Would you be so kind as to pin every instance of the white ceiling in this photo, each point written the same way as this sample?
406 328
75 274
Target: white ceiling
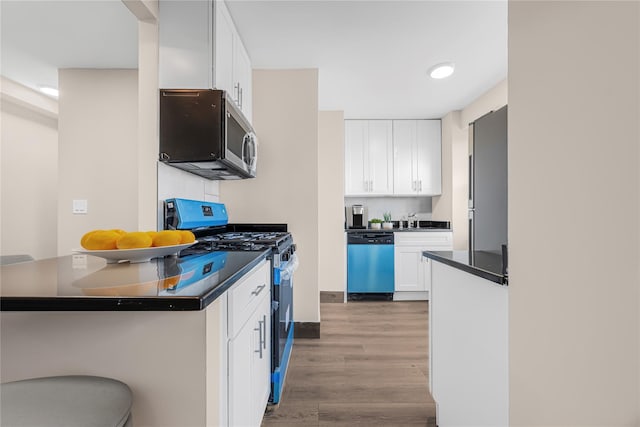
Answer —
372 56
38 37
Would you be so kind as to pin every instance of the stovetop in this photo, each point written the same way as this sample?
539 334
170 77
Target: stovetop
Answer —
240 241
266 238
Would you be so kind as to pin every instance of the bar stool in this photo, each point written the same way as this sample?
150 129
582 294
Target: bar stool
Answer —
66 401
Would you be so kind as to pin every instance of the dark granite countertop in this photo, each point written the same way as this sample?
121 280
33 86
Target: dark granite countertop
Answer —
422 226
392 230
485 264
88 283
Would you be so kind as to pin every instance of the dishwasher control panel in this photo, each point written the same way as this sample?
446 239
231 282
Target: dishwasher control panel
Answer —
370 239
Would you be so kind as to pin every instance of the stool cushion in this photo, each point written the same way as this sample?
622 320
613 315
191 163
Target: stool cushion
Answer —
69 401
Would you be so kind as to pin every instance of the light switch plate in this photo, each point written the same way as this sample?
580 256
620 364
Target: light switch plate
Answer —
80 206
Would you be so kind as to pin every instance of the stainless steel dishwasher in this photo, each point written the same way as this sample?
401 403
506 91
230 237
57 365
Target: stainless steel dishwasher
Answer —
370 272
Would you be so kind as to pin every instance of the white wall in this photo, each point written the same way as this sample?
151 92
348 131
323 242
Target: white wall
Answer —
331 247
148 112
285 117
442 204
574 281
98 152
174 182
29 172
400 207
452 205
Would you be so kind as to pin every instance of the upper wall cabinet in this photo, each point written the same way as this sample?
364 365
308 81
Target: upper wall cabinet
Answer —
368 157
200 48
186 44
392 157
417 158
233 66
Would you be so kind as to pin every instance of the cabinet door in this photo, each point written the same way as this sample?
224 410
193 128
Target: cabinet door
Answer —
242 76
355 143
185 45
224 32
425 274
241 348
429 157
261 366
404 165
408 268
380 157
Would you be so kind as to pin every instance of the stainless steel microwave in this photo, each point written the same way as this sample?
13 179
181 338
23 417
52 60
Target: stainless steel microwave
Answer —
202 131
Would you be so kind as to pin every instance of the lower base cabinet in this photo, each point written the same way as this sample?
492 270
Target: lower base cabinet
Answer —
249 349
412 271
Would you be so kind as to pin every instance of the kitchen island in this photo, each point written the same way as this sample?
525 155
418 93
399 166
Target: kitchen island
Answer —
163 327
468 338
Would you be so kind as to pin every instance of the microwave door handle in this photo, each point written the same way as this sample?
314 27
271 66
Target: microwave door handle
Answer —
244 148
253 152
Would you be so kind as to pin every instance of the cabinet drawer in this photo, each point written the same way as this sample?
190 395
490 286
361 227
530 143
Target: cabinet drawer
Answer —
246 295
437 239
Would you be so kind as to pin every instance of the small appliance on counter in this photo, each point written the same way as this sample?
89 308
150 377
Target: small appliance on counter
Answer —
356 216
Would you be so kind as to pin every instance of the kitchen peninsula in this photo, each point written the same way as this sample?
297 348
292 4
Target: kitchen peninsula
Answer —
163 327
468 334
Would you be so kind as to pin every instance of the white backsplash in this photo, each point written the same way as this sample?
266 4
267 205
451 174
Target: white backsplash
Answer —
398 206
173 182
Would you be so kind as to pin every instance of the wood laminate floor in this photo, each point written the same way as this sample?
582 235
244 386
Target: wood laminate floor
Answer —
369 368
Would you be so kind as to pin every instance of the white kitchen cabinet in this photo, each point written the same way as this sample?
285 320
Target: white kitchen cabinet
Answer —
417 157
232 62
368 157
412 272
408 269
249 348
223 52
200 48
185 44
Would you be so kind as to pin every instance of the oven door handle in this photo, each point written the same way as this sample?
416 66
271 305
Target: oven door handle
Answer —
290 268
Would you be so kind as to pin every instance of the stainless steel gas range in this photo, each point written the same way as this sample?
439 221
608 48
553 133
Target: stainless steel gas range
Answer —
210 223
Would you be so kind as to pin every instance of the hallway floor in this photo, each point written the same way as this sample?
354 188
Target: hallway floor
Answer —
368 368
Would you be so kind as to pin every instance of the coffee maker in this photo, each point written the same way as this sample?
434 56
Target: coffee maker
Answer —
356 216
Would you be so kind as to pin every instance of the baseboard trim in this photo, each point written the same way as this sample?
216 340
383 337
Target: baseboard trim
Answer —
411 296
306 330
331 297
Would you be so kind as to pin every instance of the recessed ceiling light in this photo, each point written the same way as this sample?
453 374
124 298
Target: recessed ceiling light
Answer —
440 71
48 90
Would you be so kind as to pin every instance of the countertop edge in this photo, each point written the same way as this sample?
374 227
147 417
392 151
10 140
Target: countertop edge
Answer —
150 303
492 277
211 296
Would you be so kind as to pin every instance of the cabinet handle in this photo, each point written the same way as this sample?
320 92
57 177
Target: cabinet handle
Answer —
420 185
240 96
264 325
257 290
370 186
236 89
262 340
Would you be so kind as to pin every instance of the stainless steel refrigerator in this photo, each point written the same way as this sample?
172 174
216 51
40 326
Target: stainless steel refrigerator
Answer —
488 184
